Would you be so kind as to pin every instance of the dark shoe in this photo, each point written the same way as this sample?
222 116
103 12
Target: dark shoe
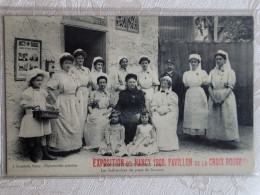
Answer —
33 154
108 154
45 155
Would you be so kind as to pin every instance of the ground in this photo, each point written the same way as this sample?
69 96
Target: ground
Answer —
188 147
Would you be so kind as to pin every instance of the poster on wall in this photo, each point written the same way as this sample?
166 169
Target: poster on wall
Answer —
27 56
163 107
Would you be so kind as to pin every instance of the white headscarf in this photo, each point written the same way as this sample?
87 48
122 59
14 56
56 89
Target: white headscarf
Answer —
36 71
121 57
168 79
65 54
197 57
93 69
227 64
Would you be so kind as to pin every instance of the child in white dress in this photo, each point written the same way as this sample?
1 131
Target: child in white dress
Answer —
32 129
113 144
144 142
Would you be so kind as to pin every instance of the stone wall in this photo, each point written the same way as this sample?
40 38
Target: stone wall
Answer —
133 45
49 30
46 29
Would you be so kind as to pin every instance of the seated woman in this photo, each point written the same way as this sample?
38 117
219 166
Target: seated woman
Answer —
113 144
99 109
165 116
66 134
131 102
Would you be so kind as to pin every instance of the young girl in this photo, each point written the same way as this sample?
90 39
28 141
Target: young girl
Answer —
113 144
32 129
144 142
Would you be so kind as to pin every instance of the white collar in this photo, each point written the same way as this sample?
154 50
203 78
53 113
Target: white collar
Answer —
166 90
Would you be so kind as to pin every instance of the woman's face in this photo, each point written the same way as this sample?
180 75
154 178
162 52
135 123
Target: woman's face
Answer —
144 119
194 64
124 63
66 65
220 61
79 60
38 81
164 84
131 83
144 65
102 83
99 66
114 118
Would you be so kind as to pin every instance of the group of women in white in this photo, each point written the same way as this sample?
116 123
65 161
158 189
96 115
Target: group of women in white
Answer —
124 113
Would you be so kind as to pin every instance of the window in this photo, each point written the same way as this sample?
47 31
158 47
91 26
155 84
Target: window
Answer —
127 23
223 29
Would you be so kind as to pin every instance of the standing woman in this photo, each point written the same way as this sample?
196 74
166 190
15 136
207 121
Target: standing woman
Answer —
97 71
148 81
66 134
83 75
118 78
165 116
222 123
196 106
131 102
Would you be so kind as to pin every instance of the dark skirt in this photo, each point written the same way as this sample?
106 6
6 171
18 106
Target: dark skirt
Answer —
130 122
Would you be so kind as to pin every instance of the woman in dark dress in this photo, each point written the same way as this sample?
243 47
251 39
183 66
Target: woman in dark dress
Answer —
131 102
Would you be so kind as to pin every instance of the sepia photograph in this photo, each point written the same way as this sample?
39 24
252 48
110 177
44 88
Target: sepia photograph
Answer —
129 95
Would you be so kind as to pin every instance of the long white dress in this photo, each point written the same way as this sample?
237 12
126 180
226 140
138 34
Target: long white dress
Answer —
166 125
222 122
32 127
145 134
96 123
83 76
115 136
66 130
147 80
117 83
196 107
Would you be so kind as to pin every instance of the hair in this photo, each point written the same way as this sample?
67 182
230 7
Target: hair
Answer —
169 82
64 58
144 59
129 76
99 60
80 53
122 60
115 112
194 59
33 79
222 55
101 77
143 113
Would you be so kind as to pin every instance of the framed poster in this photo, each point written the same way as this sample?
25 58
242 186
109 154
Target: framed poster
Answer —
27 55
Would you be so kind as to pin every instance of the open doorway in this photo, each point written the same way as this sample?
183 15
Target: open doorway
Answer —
91 41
